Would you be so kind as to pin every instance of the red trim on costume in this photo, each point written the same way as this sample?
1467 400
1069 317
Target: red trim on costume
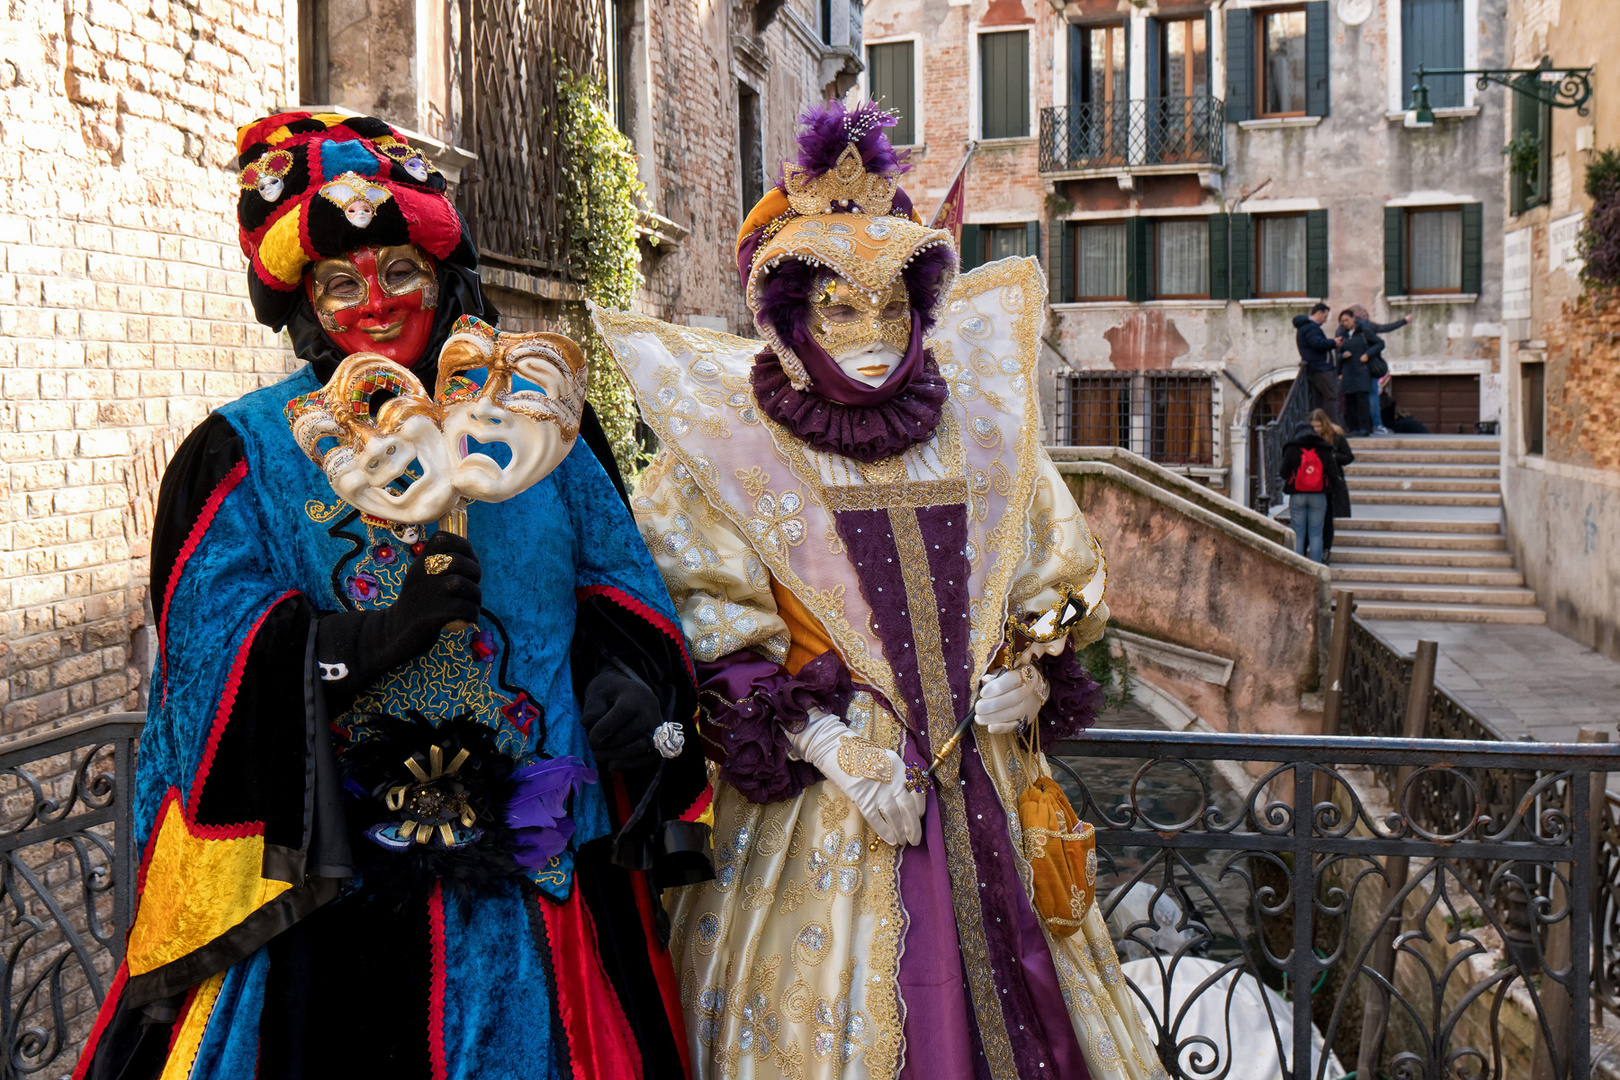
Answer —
600 1040
109 1005
630 603
701 804
436 985
657 956
227 701
216 498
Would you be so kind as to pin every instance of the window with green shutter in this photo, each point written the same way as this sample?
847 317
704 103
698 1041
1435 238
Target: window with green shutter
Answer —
1243 257
1181 262
971 248
1532 123
1394 251
1102 260
1282 255
1004 84
1278 61
1239 65
1220 256
889 80
1433 250
1432 36
1316 253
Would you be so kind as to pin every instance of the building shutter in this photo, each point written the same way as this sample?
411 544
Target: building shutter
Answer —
972 247
1032 239
1239 64
1432 36
1241 286
1316 58
1058 261
889 80
1316 253
1395 251
1155 33
1004 84
1138 259
1473 247
1220 251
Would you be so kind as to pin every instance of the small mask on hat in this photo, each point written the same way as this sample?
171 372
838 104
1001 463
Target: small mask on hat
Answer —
356 196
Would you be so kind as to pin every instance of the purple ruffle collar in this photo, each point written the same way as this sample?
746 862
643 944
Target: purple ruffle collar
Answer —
866 433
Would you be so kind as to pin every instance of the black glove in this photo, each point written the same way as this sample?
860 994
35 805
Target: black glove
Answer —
355 648
620 714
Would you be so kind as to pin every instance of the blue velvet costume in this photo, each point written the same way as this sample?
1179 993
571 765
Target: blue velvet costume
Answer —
243 783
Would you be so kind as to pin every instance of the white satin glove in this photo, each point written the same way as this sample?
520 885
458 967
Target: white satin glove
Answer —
1009 700
892 810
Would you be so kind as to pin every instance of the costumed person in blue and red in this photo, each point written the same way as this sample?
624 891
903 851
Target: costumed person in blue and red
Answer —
884 580
405 799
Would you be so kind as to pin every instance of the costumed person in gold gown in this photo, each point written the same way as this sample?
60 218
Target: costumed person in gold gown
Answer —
845 519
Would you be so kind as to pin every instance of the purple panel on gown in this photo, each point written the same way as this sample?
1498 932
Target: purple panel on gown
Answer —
1032 1004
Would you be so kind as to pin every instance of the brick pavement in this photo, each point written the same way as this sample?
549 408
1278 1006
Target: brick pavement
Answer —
1525 680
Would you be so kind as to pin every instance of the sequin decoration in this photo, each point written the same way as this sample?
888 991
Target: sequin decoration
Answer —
839 1031
835 865
776 525
809 946
722 627
732 854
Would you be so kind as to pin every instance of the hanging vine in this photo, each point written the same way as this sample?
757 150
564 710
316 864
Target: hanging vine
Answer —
602 191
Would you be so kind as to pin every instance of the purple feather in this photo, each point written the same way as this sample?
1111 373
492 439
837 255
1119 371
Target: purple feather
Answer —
826 130
539 802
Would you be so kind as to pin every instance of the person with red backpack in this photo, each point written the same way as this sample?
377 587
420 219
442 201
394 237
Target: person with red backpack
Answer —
1314 483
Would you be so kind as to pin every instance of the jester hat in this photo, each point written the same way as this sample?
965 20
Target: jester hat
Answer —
318 185
839 206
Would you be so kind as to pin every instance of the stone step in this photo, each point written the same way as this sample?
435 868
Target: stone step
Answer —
1440 485
1446 594
1410 470
1355 555
1398 574
1476 443
1367 519
1472 613
1395 537
1373 453
1435 498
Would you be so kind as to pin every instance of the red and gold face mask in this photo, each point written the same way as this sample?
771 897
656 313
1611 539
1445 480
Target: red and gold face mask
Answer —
377 300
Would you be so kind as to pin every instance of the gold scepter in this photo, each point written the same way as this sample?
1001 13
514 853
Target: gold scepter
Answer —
1057 621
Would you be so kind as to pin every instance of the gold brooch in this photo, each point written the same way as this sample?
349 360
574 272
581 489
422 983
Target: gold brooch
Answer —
437 564
863 758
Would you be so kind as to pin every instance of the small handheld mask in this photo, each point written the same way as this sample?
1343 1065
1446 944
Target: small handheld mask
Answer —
375 433
866 335
508 432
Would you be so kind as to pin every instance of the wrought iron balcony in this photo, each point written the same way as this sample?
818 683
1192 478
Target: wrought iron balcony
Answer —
1114 136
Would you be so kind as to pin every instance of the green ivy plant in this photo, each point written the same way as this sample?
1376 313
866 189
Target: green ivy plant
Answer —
1599 243
602 191
1112 670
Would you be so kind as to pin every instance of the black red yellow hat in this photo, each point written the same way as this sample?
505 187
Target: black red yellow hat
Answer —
319 185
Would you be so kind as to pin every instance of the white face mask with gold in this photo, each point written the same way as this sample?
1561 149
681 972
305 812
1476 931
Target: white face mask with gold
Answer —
866 338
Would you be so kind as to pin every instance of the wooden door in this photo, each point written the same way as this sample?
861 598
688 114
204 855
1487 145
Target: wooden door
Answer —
1445 404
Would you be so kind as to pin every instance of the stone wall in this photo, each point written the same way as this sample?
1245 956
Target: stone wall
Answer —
123 313
1230 625
1562 506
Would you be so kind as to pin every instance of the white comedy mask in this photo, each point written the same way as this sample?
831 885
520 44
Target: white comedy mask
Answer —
866 335
374 431
509 430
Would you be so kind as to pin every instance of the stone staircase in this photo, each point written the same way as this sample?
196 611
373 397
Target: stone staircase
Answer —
1425 539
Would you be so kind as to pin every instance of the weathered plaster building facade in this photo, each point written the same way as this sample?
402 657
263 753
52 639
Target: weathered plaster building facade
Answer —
1193 175
123 309
1561 431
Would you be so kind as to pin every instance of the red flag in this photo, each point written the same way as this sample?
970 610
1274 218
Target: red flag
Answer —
952 211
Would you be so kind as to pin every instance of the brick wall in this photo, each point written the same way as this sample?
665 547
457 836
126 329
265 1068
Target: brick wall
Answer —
1583 383
123 312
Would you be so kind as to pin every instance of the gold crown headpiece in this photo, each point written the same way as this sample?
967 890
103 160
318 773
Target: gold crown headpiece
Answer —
847 186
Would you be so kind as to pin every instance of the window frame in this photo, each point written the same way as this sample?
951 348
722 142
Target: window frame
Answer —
1202 220
1258 62
1260 223
1021 227
1406 256
1074 228
916 115
1157 61
1533 374
977 89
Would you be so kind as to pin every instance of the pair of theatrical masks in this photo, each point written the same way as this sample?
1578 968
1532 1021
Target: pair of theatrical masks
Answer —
503 414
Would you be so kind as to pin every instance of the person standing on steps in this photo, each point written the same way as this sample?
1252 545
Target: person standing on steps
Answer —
1338 496
1377 365
1315 482
1355 378
1316 355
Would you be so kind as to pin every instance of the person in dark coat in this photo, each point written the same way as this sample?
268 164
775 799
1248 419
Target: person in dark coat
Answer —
1377 365
1307 509
1316 355
1401 422
1355 381
1338 495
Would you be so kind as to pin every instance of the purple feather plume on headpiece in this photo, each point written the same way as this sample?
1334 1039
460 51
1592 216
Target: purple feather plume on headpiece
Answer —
826 129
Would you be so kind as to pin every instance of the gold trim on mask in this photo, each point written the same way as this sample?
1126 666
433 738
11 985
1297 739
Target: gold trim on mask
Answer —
866 325
324 276
424 279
